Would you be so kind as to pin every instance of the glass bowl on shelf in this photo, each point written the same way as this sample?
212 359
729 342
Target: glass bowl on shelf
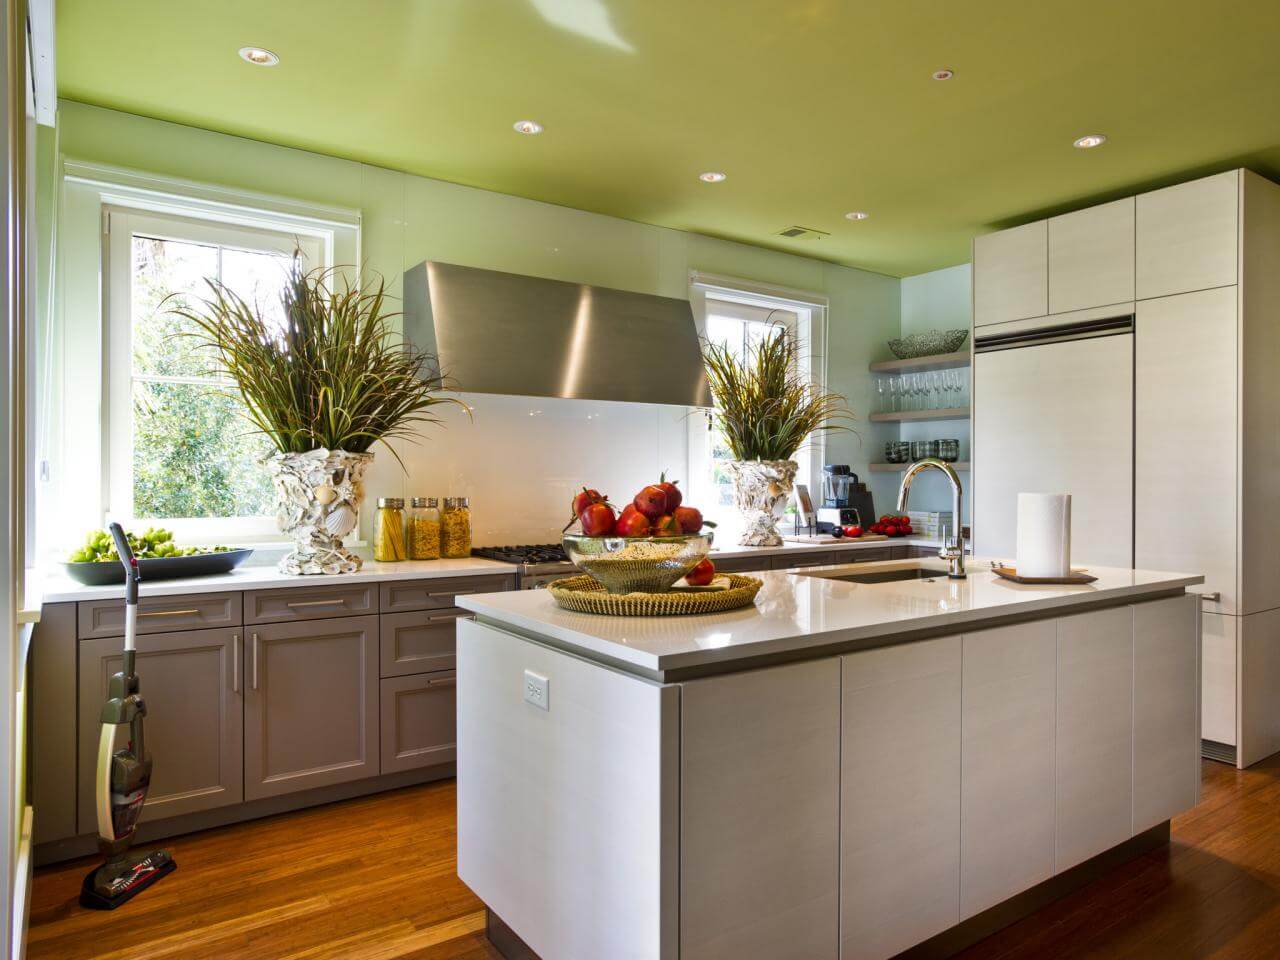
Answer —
637 564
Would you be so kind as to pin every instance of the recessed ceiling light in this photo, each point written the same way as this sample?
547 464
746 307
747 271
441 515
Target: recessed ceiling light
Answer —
1092 140
529 127
259 57
943 74
711 176
856 215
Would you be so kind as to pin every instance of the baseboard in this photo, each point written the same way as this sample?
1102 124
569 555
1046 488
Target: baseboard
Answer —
22 868
71 848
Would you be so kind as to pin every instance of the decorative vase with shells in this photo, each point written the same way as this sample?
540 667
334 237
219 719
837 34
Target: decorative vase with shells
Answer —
318 495
760 488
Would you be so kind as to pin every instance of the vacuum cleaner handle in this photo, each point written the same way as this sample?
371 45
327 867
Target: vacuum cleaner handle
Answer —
131 574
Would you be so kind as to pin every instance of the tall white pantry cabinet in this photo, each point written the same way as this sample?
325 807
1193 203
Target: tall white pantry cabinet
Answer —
1197 265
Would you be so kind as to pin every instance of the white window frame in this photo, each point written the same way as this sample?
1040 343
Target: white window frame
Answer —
809 325
122 224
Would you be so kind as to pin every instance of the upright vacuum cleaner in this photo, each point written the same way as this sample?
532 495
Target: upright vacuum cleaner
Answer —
125 774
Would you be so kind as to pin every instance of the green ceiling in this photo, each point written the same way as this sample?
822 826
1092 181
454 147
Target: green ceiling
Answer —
812 107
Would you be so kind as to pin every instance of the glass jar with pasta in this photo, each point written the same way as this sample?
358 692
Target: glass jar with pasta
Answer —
455 528
388 530
424 528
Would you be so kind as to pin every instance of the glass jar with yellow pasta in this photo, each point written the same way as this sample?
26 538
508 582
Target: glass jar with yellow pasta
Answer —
388 530
424 528
455 528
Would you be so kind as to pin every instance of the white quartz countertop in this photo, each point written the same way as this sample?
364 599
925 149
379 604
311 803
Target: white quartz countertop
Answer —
794 612
57 587
54 586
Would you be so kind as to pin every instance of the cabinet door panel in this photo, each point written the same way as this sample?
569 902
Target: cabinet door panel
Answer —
191 685
1011 274
419 721
1094 740
1166 710
311 705
1218 679
1007 763
1185 386
1091 257
1187 236
900 787
759 830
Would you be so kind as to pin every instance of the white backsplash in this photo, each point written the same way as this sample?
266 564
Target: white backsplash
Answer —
520 460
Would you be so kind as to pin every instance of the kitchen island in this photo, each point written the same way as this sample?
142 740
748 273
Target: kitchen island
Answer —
846 770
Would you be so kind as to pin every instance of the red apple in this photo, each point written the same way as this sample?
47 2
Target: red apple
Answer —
689 518
702 574
634 524
597 520
651 501
674 496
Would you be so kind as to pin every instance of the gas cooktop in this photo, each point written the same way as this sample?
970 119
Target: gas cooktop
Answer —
524 554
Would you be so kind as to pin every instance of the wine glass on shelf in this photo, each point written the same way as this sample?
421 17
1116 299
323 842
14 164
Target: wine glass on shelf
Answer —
882 394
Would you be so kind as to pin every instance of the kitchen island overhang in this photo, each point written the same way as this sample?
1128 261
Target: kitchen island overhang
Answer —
850 770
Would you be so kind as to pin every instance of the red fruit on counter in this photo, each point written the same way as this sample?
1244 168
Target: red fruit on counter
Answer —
674 496
597 520
651 501
585 499
689 518
908 530
853 531
702 574
634 524
666 526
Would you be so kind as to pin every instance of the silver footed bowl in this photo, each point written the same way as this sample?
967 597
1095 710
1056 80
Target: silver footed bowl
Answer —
637 564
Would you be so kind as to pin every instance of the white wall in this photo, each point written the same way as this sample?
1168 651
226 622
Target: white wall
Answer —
519 470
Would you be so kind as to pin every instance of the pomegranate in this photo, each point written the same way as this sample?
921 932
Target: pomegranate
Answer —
651 501
597 520
634 524
666 526
674 496
689 518
702 574
585 499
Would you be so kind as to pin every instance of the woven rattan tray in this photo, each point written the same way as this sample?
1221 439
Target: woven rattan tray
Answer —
587 595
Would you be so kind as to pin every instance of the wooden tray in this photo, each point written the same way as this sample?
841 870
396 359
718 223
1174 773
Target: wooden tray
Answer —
586 594
1011 573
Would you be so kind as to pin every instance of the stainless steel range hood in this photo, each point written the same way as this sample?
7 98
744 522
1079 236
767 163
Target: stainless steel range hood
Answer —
528 336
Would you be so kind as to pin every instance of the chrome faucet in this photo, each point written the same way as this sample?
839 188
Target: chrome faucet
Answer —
952 547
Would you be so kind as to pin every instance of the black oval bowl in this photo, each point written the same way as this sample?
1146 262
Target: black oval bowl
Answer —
98 574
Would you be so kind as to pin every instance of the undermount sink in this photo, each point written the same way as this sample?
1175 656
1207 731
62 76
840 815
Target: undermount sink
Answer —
891 576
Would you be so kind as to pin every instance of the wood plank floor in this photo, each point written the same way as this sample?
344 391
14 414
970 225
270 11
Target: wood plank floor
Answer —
373 879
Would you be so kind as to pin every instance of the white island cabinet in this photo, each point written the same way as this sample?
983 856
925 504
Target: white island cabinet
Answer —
843 772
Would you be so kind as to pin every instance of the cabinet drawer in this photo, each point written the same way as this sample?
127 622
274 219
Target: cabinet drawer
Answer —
740 564
419 721
418 642
791 561
876 555
105 618
437 594
310 603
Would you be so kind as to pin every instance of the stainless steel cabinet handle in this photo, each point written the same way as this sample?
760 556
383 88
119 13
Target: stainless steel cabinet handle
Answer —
447 616
1215 597
295 604
169 613
235 663
255 661
442 682
452 593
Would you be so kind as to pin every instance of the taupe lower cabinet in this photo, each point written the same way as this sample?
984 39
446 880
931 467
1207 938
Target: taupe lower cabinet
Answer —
310 705
194 718
251 696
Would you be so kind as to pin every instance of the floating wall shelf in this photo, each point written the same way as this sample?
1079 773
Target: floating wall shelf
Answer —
961 467
939 361
912 416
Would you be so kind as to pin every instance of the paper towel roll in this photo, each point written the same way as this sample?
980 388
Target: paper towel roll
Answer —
1044 534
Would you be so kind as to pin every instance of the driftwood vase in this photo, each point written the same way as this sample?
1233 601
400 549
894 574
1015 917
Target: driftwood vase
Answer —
318 495
760 488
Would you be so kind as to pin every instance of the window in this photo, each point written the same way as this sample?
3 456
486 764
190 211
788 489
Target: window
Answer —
740 319
181 453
